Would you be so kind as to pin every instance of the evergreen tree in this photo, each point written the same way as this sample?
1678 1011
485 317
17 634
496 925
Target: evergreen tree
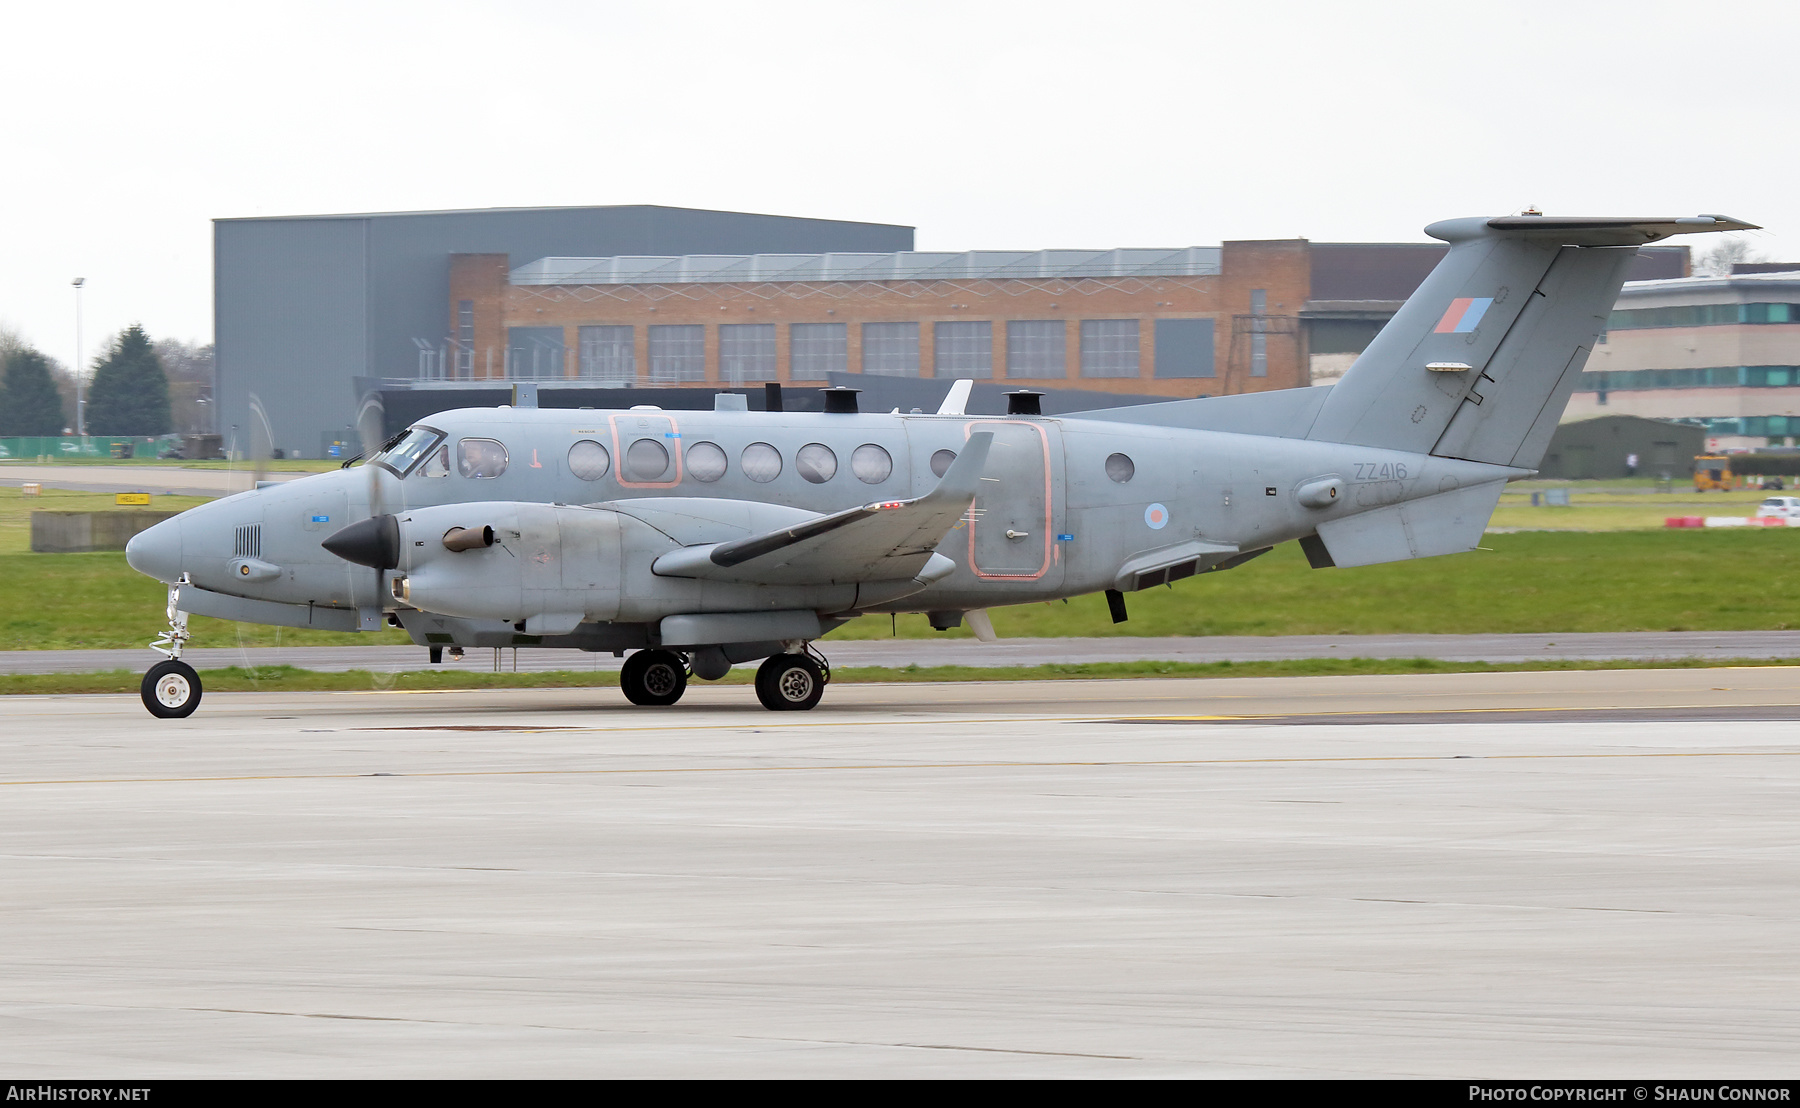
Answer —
29 404
130 394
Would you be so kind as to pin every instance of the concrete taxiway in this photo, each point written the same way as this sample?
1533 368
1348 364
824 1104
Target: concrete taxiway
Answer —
1519 874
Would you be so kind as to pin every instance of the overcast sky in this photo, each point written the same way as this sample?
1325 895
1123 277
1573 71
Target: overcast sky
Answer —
1106 123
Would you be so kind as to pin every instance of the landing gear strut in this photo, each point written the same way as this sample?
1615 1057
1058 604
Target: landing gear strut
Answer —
171 690
791 682
654 677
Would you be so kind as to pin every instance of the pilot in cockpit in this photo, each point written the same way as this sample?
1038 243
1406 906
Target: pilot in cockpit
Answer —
480 458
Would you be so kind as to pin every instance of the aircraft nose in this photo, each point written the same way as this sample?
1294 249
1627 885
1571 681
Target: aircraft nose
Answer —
156 552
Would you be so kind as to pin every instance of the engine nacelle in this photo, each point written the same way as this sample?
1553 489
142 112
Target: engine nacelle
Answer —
548 565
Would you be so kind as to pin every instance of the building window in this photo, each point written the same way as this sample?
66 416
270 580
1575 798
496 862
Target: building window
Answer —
677 353
1184 348
1109 348
816 349
1702 315
1729 376
534 352
609 352
1037 348
891 349
746 352
963 349
465 338
1259 337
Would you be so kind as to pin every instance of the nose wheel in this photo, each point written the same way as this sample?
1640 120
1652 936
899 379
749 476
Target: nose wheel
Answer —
654 678
171 689
790 683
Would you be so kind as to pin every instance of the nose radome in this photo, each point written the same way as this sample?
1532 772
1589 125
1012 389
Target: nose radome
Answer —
156 551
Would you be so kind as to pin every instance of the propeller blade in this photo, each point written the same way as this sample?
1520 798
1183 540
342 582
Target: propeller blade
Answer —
371 426
262 441
977 618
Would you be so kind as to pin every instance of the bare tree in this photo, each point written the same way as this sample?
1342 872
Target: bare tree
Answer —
10 340
1728 252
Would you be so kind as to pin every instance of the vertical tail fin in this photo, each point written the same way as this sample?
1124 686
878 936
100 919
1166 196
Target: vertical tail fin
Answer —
1480 361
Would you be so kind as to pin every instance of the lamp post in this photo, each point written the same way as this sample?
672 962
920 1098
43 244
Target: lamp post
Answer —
80 411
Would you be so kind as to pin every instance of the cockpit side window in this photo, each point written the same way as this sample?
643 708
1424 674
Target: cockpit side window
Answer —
437 461
480 458
405 454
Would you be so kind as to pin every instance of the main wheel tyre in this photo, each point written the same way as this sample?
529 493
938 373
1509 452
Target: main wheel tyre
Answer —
789 683
171 689
653 677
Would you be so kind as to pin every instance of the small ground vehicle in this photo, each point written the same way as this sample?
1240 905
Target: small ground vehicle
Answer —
1779 507
1713 471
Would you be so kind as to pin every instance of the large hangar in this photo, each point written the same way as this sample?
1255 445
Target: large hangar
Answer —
306 306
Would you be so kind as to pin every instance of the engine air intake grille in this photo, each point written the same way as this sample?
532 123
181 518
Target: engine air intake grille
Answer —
248 541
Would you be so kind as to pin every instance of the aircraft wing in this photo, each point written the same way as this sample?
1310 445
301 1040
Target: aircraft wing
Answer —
889 540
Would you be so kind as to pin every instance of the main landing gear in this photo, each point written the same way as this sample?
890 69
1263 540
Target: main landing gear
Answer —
171 690
654 677
788 682
791 682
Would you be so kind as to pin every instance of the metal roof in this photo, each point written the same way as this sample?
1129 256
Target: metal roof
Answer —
1737 288
910 265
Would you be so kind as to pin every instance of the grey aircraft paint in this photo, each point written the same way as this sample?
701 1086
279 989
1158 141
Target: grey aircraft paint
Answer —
700 539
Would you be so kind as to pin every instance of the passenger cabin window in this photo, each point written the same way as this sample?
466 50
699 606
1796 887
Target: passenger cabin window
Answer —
706 462
480 458
1120 468
940 462
646 460
871 464
816 462
589 460
760 462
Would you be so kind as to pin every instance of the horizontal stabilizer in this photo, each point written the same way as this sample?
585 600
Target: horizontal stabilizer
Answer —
1611 230
1447 523
886 541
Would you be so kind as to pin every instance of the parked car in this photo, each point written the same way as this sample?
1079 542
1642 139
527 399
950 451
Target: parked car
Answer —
1779 507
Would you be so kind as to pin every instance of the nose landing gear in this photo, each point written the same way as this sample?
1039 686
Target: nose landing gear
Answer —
171 690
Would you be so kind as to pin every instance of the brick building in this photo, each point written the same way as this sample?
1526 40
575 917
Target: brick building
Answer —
1182 322
1197 321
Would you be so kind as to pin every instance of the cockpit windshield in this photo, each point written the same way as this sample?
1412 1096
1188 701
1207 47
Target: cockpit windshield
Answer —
403 455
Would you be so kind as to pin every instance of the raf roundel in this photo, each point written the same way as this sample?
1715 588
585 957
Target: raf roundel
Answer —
1156 517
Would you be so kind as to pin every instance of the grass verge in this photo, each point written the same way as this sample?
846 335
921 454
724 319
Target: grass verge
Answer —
291 679
1539 582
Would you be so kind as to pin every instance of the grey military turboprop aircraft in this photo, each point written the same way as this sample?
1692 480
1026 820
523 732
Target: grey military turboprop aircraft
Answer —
696 540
